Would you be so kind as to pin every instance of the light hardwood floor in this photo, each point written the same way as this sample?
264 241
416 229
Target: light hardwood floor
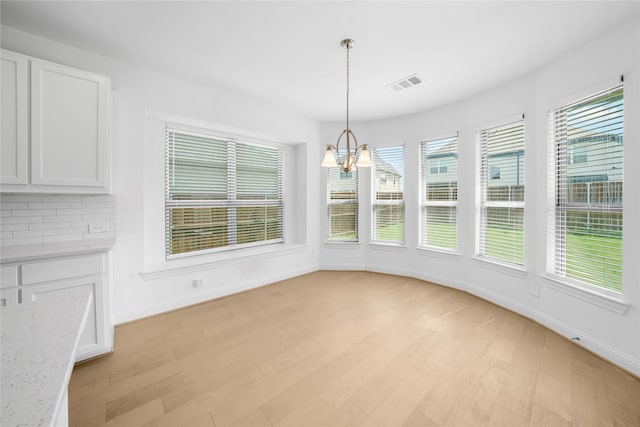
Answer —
348 349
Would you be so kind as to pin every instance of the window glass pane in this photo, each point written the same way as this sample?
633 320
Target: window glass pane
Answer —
196 167
439 193
505 234
220 194
342 204
196 229
439 224
258 223
389 168
589 192
505 160
502 176
389 223
388 187
343 221
257 172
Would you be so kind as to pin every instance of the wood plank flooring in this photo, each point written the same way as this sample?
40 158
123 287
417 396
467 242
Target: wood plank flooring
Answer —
348 349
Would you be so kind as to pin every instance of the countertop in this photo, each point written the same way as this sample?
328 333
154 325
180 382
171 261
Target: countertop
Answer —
39 342
10 254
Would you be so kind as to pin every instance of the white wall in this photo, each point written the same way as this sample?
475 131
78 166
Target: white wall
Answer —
137 154
595 66
138 183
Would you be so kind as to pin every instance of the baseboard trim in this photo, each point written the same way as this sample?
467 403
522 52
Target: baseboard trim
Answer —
215 293
627 363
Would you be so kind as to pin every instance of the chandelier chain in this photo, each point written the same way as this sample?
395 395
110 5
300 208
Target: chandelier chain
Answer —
348 49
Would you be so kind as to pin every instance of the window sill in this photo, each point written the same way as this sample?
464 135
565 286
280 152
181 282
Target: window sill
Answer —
384 246
342 243
441 253
596 297
222 259
510 269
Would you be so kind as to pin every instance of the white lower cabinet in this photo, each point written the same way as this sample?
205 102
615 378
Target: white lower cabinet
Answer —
52 280
92 339
8 297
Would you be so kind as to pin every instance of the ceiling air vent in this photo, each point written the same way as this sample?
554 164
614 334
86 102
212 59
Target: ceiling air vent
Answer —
405 83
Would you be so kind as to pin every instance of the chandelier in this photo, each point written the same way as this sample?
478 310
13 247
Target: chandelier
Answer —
359 155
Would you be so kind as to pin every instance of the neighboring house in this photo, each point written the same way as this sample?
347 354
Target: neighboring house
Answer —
387 177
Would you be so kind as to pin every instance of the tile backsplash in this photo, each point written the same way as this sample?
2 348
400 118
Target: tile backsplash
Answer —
43 218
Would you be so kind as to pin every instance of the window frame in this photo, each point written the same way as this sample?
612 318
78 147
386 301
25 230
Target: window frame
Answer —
376 203
484 179
561 158
354 201
425 203
232 203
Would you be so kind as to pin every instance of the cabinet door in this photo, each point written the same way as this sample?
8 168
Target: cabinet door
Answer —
68 126
92 339
14 125
8 297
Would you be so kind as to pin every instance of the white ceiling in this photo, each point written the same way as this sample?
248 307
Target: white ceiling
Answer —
287 54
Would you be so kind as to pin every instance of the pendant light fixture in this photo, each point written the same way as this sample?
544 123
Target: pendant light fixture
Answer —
359 155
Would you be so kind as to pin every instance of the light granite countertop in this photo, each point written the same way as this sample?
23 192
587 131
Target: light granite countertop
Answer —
39 342
9 254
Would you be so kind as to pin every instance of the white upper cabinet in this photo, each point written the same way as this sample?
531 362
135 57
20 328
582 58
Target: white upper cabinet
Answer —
15 115
67 114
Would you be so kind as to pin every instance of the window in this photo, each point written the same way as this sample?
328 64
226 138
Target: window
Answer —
388 197
577 154
439 194
588 145
220 194
438 166
342 204
502 163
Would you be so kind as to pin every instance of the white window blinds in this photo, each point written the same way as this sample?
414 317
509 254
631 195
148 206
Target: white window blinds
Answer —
502 165
220 194
342 204
589 157
388 197
439 194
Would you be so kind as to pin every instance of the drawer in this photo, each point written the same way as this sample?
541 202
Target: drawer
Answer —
9 276
66 268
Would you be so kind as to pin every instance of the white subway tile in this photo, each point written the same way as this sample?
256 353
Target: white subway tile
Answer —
107 211
80 223
60 218
34 212
84 204
62 198
5 213
14 227
49 205
22 241
49 225
110 204
33 233
98 197
74 230
13 205
62 238
75 211
21 220
20 198
5 235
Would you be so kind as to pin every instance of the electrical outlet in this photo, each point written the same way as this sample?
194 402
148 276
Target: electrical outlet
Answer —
98 227
535 289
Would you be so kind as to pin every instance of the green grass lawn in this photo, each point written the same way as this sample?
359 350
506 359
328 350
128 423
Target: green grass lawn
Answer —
584 252
391 233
